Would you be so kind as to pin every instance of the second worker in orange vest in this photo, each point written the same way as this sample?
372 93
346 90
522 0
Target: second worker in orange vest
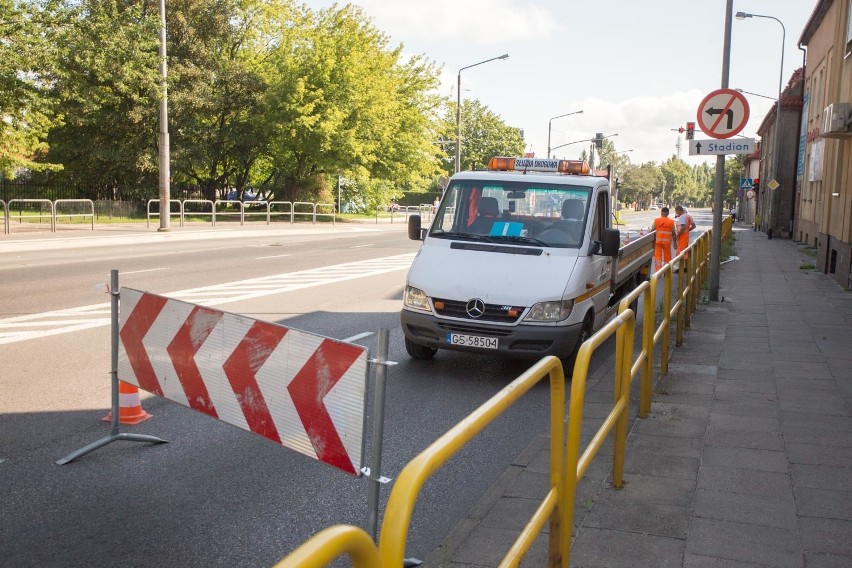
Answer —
683 225
665 237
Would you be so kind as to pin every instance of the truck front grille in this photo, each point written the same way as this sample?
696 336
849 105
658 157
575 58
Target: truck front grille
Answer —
493 312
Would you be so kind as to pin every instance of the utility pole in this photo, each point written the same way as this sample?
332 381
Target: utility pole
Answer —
716 245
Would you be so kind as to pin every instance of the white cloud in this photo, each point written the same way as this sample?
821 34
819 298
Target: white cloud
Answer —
485 22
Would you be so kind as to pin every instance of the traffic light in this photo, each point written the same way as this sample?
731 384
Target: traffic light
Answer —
756 185
690 130
599 140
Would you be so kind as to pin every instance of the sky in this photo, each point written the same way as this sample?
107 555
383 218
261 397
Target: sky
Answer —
638 68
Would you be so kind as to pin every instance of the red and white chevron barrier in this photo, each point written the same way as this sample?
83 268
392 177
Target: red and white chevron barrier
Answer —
301 390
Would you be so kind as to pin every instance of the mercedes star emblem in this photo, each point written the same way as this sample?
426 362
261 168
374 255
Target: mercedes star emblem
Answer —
475 308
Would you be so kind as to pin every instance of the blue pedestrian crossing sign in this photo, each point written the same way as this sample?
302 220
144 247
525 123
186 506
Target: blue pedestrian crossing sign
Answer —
746 183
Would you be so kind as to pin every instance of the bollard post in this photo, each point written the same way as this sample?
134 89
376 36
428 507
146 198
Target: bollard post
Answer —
375 472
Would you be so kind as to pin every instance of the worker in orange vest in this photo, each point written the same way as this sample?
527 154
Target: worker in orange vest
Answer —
684 224
665 228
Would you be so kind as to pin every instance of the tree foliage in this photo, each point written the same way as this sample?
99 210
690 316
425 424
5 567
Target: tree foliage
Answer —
267 95
483 135
641 184
105 85
26 111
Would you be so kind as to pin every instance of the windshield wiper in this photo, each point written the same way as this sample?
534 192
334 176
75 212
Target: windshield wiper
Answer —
518 239
458 235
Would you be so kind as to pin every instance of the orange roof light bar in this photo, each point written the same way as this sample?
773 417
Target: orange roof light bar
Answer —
575 167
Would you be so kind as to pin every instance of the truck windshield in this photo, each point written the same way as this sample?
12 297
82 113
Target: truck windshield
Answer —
517 212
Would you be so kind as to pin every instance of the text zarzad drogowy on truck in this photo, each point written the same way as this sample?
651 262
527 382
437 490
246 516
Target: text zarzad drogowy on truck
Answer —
520 260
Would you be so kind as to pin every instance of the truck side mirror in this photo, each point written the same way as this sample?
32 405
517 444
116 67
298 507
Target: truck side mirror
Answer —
610 243
415 233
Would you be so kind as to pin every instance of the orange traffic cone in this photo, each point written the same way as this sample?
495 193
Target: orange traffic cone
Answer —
129 405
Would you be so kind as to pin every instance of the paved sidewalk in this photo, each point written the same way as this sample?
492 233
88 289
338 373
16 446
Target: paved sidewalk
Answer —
746 460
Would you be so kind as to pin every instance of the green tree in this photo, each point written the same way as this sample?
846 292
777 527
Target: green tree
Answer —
680 185
734 169
216 57
26 109
705 182
483 136
340 100
105 83
641 184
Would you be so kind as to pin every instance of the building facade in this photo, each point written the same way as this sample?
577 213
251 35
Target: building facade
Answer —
776 201
823 198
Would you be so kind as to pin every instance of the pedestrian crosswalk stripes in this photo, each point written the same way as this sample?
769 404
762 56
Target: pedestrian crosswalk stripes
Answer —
32 326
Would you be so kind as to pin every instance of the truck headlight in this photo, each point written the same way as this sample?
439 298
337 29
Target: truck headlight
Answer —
416 299
550 311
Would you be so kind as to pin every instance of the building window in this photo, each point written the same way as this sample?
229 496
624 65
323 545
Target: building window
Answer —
849 29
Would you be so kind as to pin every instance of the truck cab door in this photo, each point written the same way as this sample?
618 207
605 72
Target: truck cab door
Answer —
601 265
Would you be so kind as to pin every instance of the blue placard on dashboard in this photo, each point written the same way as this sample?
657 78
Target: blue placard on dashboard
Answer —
502 229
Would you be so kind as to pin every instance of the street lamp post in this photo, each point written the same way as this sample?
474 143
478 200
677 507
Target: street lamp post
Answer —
458 107
777 143
165 173
583 140
756 95
548 127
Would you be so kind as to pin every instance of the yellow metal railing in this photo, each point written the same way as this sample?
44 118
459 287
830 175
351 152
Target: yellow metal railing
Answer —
325 546
331 543
407 487
567 466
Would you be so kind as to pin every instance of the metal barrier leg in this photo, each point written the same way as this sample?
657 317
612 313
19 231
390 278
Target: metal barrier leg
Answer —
114 434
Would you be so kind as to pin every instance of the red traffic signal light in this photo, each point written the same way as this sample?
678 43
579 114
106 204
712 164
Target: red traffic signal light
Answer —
690 130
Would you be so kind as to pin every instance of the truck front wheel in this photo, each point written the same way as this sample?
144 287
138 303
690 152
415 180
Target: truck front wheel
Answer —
420 352
585 333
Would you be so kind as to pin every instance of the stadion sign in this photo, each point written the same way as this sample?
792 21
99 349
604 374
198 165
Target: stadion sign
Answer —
721 147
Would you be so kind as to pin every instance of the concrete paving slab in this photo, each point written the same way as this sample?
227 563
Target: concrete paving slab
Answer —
826 404
765 386
744 542
644 518
744 423
800 370
767 408
821 476
665 445
745 481
745 458
743 508
824 503
818 560
624 550
827 536
678 467
740 439
698 561
819 455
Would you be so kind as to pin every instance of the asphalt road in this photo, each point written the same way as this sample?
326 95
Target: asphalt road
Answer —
215 495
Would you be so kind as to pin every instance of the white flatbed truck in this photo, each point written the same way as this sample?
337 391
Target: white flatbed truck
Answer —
520 260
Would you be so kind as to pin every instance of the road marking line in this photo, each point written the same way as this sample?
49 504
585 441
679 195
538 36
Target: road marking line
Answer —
276 256
68 320
146 270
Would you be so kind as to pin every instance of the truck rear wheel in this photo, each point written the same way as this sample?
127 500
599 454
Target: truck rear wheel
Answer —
420 352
